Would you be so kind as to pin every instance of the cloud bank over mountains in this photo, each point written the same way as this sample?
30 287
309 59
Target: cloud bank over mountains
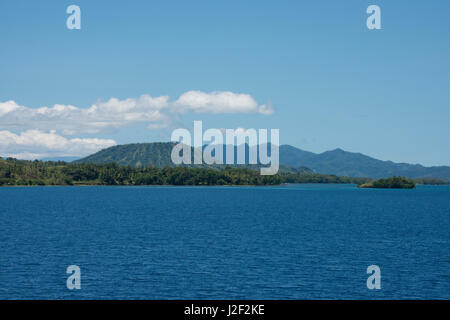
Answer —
30 133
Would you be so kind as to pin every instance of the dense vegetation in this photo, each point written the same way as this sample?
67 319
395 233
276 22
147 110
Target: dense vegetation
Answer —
391 183
155 154
29 173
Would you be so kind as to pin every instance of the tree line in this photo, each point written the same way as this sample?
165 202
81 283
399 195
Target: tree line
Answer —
15 172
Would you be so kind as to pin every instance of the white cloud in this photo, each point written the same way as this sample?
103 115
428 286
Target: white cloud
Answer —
36 144
156 112
266 109
216 102
71 120
8 107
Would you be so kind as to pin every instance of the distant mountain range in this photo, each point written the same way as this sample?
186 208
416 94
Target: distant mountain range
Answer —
337 162
66 159
344 163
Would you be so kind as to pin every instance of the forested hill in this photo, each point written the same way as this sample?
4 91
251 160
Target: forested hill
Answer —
158 154
155 154
337 162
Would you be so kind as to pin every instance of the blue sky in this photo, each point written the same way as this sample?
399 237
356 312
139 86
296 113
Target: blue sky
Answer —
330 81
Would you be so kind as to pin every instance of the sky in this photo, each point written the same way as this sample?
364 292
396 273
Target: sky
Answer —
137 70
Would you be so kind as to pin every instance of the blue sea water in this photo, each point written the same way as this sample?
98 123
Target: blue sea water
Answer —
286 242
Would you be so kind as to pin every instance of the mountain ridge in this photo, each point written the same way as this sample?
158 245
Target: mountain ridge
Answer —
337 162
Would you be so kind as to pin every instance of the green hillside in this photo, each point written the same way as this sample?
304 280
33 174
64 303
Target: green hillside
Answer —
158 154
155 154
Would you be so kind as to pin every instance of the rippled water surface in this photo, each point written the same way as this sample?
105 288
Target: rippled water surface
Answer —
288 242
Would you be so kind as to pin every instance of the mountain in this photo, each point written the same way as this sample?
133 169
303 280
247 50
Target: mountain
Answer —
158 154
134 155
337 162
344 163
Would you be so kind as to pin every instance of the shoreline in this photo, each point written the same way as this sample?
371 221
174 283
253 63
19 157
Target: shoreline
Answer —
217 185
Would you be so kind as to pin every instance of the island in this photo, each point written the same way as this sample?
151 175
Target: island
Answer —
391 183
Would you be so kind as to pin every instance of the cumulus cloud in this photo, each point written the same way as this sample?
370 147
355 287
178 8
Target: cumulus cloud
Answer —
156 112
111 114
217 102
36 144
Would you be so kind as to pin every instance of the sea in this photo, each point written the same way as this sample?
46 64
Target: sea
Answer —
299 241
